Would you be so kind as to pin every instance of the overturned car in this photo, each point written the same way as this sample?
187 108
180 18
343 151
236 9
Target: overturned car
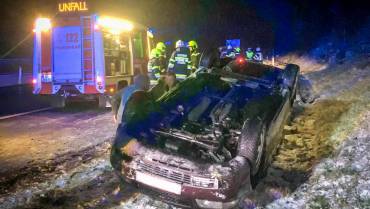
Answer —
208 141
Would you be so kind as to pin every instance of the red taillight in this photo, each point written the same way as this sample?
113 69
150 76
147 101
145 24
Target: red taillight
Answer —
240 60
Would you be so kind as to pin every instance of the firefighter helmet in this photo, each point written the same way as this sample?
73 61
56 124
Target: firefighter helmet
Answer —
161 46
193 44
179 43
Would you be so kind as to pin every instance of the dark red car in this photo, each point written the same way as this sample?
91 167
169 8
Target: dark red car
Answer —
208 141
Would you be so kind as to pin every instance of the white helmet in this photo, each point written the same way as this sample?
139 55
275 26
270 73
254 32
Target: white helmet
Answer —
258 49
180 43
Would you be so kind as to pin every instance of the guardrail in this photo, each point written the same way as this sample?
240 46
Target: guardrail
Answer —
12 79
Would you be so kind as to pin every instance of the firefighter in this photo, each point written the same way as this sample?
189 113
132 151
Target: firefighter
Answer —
180 62
154 66
141 83
161 50
195 55
258 55
230 52
249 54
237 51
157 63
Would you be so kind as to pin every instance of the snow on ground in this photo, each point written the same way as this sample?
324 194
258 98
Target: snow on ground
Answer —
331 138
46 142
46 135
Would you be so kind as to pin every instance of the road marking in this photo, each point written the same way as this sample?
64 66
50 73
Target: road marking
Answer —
25 113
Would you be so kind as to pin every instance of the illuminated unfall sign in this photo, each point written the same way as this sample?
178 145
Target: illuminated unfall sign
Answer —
72 6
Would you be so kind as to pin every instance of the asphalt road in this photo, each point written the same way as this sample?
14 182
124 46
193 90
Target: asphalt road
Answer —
18 99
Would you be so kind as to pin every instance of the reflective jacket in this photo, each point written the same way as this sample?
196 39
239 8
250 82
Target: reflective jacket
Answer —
195 56
154 66
249 55
258 57
180 63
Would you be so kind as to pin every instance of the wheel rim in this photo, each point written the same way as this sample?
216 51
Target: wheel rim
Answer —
260 149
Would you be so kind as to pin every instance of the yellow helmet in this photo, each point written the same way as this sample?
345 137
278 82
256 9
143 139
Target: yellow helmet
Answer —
161 46
193 44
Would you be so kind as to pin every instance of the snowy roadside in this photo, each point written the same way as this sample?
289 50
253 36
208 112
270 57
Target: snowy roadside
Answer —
39 143
342 178
66 181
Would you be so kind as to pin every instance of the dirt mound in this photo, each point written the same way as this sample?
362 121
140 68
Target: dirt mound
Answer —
305 141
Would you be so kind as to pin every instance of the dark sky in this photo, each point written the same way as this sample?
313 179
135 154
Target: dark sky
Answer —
285 24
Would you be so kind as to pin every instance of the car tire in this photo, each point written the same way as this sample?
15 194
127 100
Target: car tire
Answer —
253 147
209 58
305 90
290 80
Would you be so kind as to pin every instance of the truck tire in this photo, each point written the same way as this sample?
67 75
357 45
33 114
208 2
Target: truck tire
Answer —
102 100
58 101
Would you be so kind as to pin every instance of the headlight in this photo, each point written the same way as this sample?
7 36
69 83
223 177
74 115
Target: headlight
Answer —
204 182
215 205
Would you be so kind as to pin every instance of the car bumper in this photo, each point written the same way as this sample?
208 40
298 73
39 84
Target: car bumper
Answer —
186 183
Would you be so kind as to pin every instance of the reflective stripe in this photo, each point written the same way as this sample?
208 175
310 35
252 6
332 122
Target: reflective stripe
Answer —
153 82
157 75
181 76
181 60
152 69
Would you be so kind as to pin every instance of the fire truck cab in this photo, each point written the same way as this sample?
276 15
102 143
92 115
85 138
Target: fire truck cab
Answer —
82 55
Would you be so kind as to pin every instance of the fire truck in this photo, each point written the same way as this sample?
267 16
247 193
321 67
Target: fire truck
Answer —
82 55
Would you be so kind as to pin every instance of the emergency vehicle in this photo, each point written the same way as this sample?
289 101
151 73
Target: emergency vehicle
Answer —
78 54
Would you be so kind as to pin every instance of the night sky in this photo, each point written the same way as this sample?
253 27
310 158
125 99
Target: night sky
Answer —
284 25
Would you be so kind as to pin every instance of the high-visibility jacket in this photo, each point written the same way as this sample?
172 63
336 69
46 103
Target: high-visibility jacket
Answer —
195 56
230 53
249 55
180 63
258 57
154 66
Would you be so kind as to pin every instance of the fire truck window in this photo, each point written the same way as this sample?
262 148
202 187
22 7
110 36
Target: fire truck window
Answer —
138 45
117 54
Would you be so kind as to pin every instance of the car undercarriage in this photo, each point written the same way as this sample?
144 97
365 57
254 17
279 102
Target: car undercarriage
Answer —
208 137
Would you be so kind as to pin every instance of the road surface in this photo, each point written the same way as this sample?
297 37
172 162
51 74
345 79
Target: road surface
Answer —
60 159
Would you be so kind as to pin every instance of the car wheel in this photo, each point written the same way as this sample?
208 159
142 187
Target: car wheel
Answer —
305 90
209 58
260 149
252 144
